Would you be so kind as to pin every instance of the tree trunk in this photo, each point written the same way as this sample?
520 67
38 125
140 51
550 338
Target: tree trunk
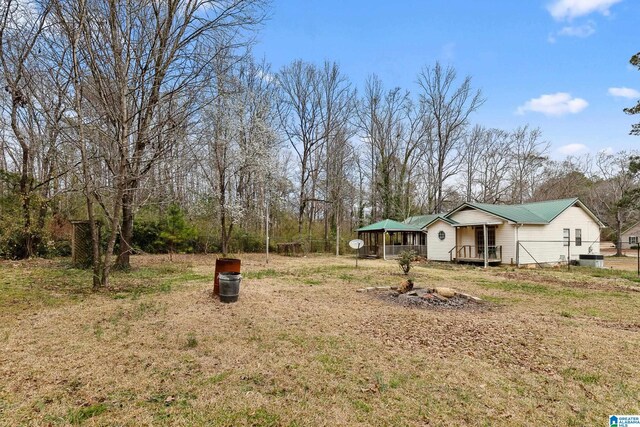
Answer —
619 234
25 195
303 205
115 221
126 232
224 239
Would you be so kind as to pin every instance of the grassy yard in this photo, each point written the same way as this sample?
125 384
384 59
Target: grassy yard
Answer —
303 348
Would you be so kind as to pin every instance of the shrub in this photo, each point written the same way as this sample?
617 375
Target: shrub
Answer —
146 235
175 233
244 241
405 260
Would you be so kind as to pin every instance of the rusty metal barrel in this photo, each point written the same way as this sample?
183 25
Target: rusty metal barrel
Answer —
224 265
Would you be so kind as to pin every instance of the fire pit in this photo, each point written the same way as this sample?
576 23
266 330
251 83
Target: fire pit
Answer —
439 297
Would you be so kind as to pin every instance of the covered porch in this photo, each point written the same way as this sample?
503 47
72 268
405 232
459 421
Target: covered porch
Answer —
388 238
476 244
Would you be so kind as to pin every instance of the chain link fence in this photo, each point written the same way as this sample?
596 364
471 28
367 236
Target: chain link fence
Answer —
617 255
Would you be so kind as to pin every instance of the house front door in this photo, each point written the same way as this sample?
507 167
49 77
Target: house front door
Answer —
491 241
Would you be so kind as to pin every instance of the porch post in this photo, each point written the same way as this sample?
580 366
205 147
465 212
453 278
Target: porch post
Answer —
517 226
426 246
384 245
455 250
486 245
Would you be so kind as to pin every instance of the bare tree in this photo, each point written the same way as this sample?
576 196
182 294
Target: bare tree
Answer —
395 131
71 23
472 148
529 154
450 108
21 28
571 177
494 161
300 116
614 183
338 101
143 64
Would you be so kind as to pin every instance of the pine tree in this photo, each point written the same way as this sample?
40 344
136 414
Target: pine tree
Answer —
176 233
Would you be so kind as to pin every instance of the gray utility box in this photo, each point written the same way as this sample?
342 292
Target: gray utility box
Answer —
592 260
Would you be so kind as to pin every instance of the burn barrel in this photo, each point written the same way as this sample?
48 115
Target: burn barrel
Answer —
224 265
229 286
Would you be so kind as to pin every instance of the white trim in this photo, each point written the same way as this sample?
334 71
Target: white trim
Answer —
384 245
476 224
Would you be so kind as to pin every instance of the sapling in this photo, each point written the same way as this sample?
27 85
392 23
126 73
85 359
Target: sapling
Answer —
405 259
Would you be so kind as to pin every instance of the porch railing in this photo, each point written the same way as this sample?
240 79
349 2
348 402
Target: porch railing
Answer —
395 250
390 250
470 252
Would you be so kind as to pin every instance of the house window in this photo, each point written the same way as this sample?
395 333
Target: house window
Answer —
633 240
441 235
578 237
566 236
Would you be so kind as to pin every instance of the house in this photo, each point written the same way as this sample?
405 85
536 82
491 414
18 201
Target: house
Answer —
530 233
629 236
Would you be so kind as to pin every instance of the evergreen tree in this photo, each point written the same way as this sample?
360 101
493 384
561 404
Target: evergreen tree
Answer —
175 232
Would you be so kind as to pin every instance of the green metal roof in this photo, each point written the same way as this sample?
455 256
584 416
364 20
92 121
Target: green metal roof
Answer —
528 213
514 213
421 221
551 208
389 225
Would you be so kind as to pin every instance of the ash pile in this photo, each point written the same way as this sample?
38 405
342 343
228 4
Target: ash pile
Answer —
409 296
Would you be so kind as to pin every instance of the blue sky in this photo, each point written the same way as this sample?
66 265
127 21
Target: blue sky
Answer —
561 65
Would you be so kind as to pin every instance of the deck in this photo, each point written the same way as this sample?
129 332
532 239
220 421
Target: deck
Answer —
471 255
477 260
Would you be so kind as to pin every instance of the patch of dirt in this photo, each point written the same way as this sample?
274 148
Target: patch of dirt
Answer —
427 299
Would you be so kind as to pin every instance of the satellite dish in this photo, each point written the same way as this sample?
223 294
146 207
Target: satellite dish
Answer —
356 244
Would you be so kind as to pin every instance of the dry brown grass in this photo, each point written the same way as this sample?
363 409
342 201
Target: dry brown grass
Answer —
301 347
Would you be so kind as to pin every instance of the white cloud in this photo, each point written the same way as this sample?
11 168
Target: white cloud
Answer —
556 104
581 31
569 9
571 149
578 31
624 92
608 150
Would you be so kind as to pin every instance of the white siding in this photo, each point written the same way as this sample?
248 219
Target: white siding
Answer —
544 242
438 250
505 238
473 216
466 236
633 231
505 233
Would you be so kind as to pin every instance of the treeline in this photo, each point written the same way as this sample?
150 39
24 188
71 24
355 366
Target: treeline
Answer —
153 121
